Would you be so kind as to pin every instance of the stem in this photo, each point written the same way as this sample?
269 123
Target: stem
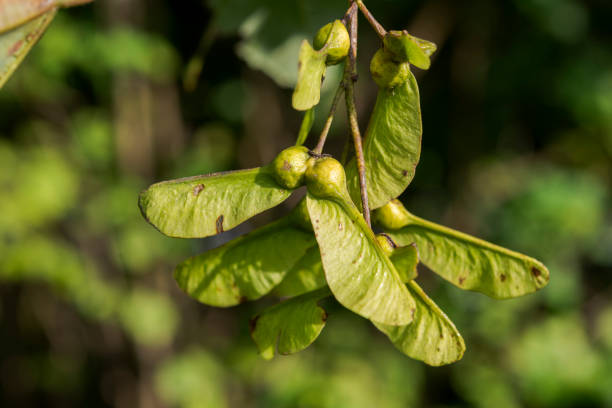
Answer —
380 30
330 118
192 72
346 152
350 76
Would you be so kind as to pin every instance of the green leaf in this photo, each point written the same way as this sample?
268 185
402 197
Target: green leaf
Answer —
467 262
289 326
311 68
197 207
405 47
246 268
431 338
15 44
360 275
307 122
392 145
405 260
305 276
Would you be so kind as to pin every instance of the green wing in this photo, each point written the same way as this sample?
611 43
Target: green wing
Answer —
359 274
290 326
305 276
197 207
392 145
406 47
431 337
246 268
16 43
311 68
471 263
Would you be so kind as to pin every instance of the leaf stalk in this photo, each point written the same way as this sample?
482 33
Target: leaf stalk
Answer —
350 76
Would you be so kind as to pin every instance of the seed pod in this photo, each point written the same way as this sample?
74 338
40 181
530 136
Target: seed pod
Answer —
386 243
386 72
392 216
290 166
325 177
335 37
407 48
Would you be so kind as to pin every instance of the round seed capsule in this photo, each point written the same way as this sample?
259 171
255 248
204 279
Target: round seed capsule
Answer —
290 165
386 72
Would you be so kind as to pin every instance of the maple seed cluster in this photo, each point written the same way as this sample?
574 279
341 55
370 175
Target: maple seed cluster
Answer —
296 166
325 247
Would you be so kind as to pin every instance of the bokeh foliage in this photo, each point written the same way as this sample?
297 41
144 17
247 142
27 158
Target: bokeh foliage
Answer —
517 149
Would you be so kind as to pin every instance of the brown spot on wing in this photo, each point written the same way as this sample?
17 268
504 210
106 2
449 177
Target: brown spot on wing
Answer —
461 280
535 272
14 48
404 173
219 224
286 165
502 277
198 189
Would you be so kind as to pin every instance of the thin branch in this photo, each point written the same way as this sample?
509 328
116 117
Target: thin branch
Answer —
350 76
330 118
192 72
346 152
380 30
349 11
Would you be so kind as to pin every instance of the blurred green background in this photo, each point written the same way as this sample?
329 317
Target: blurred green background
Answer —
517 149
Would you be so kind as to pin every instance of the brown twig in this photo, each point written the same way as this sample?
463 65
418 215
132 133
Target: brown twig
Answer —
350 76
330 118
380 30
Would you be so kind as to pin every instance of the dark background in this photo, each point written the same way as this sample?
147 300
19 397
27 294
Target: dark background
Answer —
517 149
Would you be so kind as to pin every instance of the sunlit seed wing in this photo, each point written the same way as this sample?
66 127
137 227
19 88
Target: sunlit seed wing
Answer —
311 68
392 145
471 263
305 276
15 44
308 275
360 275
246 268
290 326
197 207
431 337
405 260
